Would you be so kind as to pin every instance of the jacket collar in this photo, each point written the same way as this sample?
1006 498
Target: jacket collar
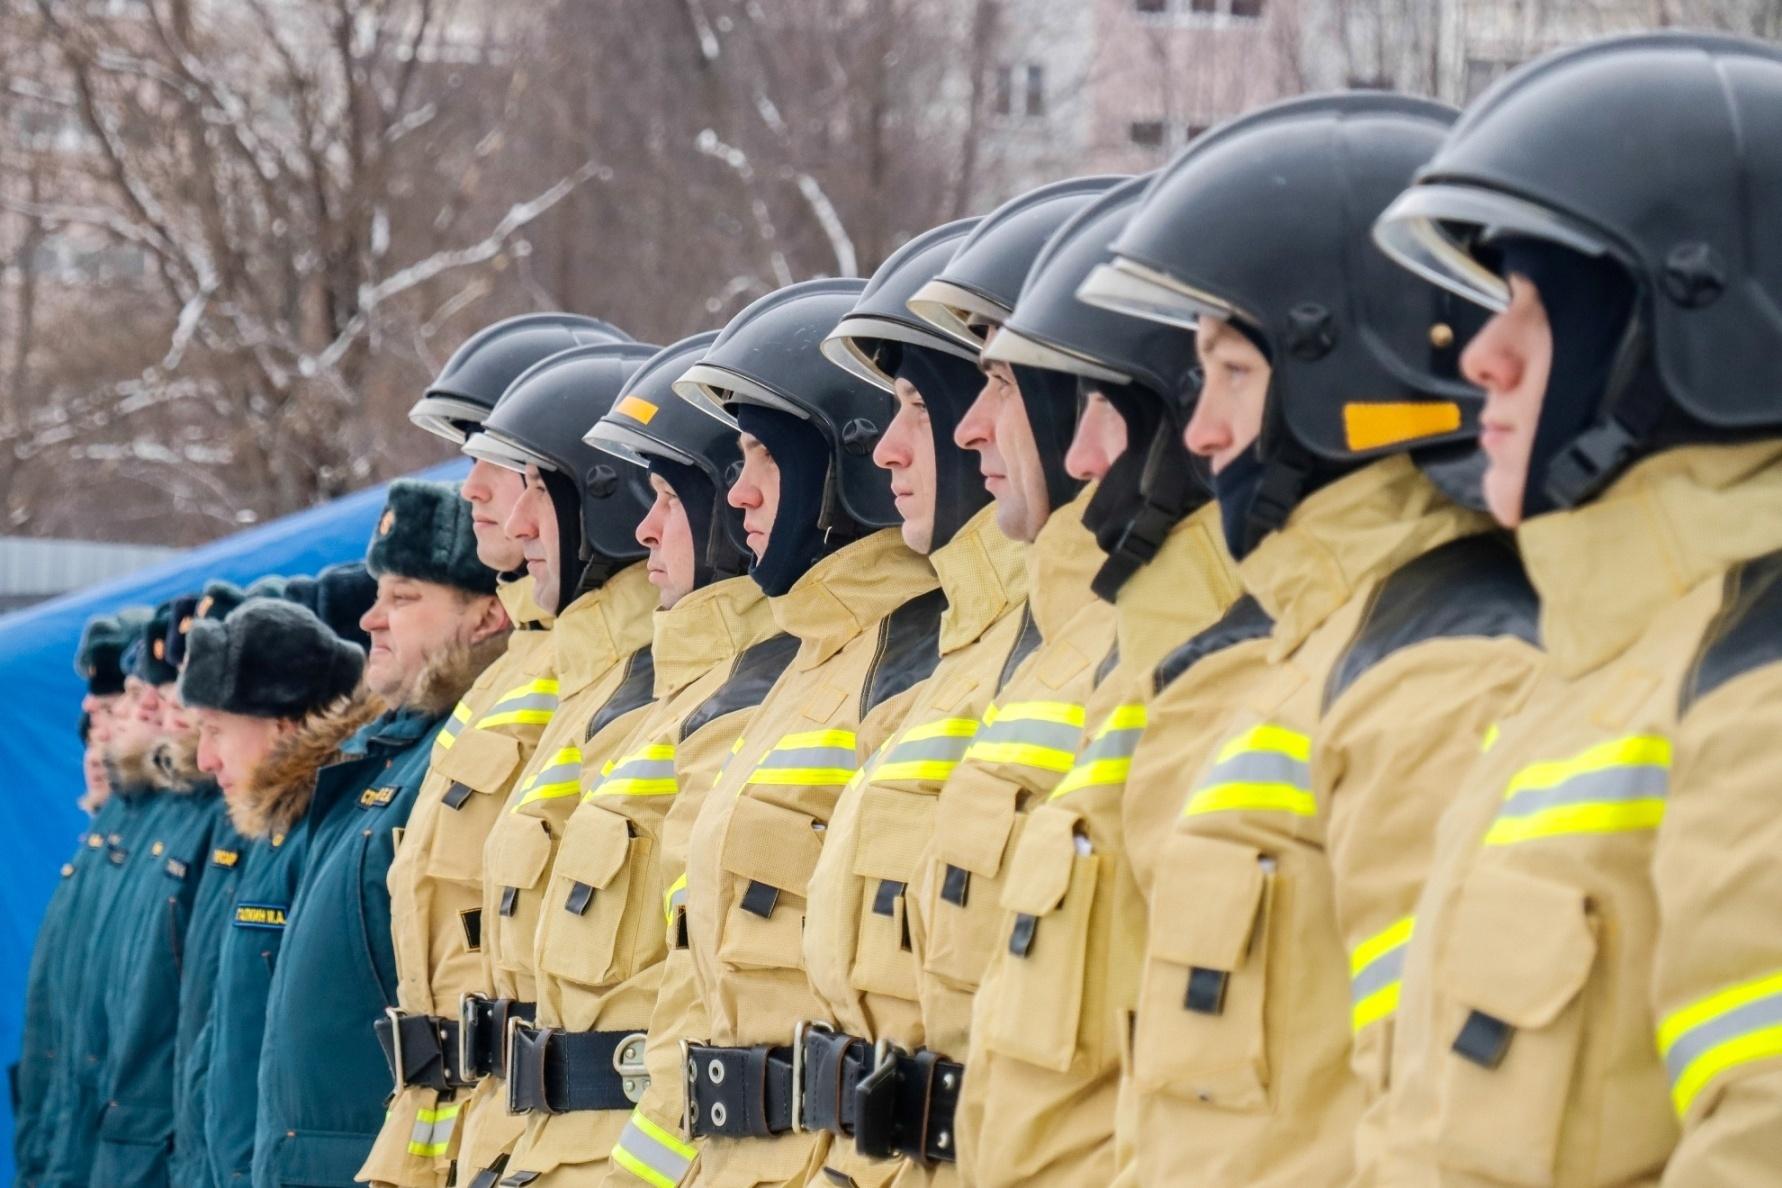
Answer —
1061 563
393 730
849 591
983 573
1674 520
1344 537
1185 588
707 628
602 627
522 609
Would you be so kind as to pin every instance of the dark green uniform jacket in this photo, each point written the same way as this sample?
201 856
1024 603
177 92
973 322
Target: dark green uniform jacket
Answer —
213 912
47 1008
142 998
322 1075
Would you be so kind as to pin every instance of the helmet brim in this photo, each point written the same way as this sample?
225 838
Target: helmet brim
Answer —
845 346
446 416
1012 346
489 446
958 312
1130 288
711 389
634 446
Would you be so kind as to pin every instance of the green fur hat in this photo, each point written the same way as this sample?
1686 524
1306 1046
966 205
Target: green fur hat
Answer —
425 534
268 659
100 657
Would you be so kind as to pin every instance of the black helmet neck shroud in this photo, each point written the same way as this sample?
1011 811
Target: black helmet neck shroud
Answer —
1685 209
768 357
489 361
1147 372
598 501
1265 224
694 453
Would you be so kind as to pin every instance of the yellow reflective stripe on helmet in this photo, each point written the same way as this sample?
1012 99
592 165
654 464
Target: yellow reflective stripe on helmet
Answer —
1724 1031
531 704
1613 787
676 897
652 1153
1265 769
1037 734
813 758
560 776
1107 760
647 771
1376 972
432 1132
928 752
449 733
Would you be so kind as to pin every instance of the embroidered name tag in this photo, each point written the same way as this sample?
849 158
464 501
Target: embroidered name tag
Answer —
259 915
377 797
176 869
224 857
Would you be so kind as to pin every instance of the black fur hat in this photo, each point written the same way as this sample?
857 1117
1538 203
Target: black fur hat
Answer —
149 654
339 595
268 659
425 534
100 658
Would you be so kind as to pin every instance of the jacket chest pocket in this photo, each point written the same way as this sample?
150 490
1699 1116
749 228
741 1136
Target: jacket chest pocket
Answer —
1203 997
1047 902
962 903
480 766
519 852
589 922
1509 1019
768 855
894 829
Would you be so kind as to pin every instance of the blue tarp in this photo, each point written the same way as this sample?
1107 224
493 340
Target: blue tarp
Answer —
39 748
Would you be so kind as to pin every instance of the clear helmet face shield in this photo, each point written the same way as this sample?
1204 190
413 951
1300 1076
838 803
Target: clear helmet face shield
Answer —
633 446
1434 231
1127 287
846 347
956 311
490 446
1013 347
709 388
444 416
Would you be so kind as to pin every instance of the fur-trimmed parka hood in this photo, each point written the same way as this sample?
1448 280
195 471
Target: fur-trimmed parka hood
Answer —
277 795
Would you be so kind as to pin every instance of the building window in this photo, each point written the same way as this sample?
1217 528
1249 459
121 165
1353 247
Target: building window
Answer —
1019 91
1193 12
1151 7
1246 10
1036 90
1146 133
1193 130
1002 99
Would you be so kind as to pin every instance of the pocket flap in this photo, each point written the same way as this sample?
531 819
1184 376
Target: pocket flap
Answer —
595 845
481 760
1039 873
980 815
519 852
894 831
1520 947
1205 901
1059 664
772 845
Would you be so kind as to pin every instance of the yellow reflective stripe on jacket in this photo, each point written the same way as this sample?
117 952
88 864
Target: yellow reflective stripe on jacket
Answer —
812 758
651 1153
561 776
1376 971
1038 734
432 1132
1489 739
647 771
1717 1034
928 752
531 704
1613 787
1108 757
448 734
1266 769
676 898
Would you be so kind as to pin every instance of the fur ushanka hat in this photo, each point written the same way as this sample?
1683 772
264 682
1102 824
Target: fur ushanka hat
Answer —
425 534
268 659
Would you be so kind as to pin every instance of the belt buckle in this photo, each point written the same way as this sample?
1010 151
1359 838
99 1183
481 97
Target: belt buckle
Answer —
690 1073
628 1062
508 1036
804 1028
395 1015
467 1013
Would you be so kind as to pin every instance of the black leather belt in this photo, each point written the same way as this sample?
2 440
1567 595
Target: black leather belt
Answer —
890 1102
557 1072
482 1033
739 1092
420 1050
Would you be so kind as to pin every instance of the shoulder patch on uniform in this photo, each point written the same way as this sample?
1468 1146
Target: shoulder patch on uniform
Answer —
1473 586
909 649
1745 635
751 676
1243 621
224 858
378 797
1108 664
260 915
1026 641
637 688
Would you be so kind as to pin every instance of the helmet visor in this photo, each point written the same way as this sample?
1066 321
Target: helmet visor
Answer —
847 346
635 447
445 416
490 446
1436 231
957 312
1012 346
1130 288
710 389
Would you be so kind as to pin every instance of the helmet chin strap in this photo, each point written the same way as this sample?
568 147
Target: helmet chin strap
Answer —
1146 492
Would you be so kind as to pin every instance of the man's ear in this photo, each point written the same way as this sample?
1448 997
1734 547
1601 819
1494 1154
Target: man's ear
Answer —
490 619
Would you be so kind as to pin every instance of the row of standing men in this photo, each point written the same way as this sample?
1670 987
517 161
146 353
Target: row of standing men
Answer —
819 821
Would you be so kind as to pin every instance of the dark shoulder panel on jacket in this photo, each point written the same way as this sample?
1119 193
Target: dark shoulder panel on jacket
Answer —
637 688
752 674
1474 586
1243 621
1026 640
909 648
1109 663
1745 635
